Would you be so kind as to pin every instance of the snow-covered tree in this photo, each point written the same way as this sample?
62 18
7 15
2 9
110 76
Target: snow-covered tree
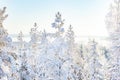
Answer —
35 34
44 36
58 24
20 37
105 53
113 25
94 62
7 56
3 32
70 38
83 61
26 72
104 58
20 40
81 53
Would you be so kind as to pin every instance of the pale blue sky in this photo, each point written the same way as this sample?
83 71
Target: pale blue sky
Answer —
86 16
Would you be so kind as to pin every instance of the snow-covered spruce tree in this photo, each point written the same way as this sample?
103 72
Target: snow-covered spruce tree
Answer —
105 52
20 40
94 64
83 58
56 51
69 38
44 37
35 36
70 41
76 72
58 25
35 40
113 25
7 56
20 48
3 32
25 70
104 58
75 68
43 62
81 51
35 51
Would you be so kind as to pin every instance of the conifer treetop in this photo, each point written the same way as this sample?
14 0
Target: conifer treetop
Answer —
3 16
20 35
34 30
70 29
58 23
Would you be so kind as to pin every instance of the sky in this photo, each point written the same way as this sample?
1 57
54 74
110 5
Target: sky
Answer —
87 17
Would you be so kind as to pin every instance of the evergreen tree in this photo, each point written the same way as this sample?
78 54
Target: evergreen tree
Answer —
113 25
104 58
58 24
20 40
7 56
75 71
94 62
70 38
3 32
35 35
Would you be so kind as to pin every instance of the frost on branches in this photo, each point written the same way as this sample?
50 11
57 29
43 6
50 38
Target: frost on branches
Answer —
56 56
7 56
113 25
94 62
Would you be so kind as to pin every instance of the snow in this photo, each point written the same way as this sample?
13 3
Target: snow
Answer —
57 55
